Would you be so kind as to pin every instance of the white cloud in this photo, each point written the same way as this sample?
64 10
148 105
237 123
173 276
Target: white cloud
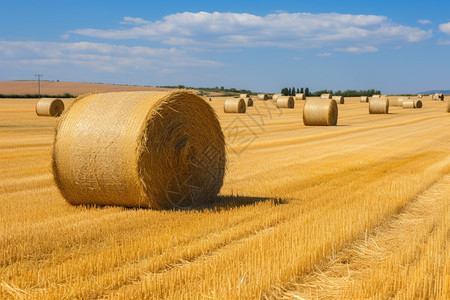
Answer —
424 22
445 28
285 30
98 56
325 54
358 50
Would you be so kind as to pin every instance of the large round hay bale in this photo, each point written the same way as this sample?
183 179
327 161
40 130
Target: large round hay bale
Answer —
48 107
285 102
234 105
379 105
320 112
248 102
338 99
139 149
326 96
244 96
299 96
364 99
262 97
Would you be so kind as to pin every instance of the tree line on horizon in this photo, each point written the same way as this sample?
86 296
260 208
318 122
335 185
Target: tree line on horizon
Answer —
347 93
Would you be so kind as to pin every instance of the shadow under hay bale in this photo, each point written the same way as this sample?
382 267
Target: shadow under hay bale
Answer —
139 149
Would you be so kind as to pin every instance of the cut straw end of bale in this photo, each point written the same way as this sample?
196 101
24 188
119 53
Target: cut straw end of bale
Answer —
47 107
285 102
248 102
364 99
320 112
139 149
234 106
262 97
379 106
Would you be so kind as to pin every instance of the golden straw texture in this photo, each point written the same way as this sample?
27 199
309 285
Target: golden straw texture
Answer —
325 96
48 107
364 99
275 97
139 149
379 105
408 103
448 106
285 102
338 99
300 97
248 102
234 105
320 112
262 97
244 95
397 102
376 96
419 95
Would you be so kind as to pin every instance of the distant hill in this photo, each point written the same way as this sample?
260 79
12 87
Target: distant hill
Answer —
445 92
73 88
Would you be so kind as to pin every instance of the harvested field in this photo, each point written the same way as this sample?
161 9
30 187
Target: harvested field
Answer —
300 208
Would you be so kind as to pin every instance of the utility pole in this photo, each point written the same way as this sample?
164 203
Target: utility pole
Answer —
39 84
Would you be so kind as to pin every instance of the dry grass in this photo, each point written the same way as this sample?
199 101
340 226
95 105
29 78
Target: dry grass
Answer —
293 198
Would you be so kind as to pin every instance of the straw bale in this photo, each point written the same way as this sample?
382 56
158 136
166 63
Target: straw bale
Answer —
262 97
300 97
364 99
448 106
48 107
320 112
408 103
244 96
139 149
285 102
326 96
338 99
234 105
376 96
379 105
419 96
275 96
248 102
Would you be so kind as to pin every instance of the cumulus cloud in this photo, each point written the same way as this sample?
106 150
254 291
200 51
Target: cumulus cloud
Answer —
285 30
358 50
325 54
445 28
98 56
424 22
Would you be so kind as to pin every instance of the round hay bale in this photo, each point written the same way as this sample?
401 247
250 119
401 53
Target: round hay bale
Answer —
234 105
418 104
300 97
448 106
244 96
47 107
408 103
397 102
275 96
248 102
262 97
139 149
440 96
320 112
285 102
364 99
338 99
326 96
376 96
419 96
379 106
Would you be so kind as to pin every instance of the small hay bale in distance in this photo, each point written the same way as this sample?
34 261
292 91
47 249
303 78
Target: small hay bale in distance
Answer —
262 97
244 96
338 99
234 106
248 102
48 107
326 96
285 102
397 102
364 99
440 96
300 97
408 103
275 97
144 149
376 96
379 106
320 112
419 96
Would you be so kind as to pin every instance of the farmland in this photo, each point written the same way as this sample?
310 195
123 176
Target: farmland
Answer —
357 210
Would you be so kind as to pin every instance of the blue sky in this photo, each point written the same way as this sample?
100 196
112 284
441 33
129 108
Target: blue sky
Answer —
394 46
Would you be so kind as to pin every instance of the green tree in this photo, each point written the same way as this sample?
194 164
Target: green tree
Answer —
307 92
293 91
301 91
289 92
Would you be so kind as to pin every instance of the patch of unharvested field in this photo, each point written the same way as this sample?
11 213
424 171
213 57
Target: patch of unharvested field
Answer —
295 200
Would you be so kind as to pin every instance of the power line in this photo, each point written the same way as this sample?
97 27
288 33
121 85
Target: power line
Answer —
39 84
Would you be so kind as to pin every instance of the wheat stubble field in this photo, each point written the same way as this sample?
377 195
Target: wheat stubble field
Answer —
358 210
